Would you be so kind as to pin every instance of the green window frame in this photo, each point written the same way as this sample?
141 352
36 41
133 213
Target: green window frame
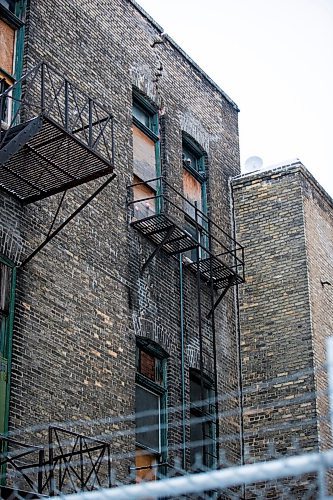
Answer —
12 12
194 163
146 119
153 383
7 302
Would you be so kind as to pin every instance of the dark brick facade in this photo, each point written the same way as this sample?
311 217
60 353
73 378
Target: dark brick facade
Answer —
284 220
81 302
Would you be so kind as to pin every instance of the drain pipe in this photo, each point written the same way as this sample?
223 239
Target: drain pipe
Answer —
182 358
238 330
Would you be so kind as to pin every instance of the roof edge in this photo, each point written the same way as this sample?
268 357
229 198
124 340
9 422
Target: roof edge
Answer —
183 53
282 169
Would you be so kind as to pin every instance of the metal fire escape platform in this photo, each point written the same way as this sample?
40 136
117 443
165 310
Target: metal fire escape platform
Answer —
54 138
166 223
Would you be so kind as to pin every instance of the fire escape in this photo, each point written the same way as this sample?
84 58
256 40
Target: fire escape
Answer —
53 138
214 257
69 463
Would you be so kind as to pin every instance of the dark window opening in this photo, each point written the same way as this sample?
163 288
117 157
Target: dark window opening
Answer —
150 422
4 104
202 448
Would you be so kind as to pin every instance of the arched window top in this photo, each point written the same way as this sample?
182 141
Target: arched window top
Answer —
151 346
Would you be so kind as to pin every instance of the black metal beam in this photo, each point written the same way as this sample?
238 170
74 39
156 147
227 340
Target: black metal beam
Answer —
56 231
158 248
231 281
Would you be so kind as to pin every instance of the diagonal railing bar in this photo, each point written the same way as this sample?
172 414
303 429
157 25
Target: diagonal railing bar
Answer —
101 134
91 463
55 98
95 464
67 463
67 473
79 113
28 480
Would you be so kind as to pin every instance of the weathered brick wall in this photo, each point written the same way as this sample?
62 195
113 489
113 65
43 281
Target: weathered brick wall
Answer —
275 318
82 300
318 212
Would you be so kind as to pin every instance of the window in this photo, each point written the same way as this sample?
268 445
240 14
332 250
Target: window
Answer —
6 104
8 4
194 187
201 421
151 399
146 156
11 41
6 312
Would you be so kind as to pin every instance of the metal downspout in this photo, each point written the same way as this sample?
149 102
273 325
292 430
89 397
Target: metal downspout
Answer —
238 330
182 359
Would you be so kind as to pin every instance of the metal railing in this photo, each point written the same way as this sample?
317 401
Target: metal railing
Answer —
209 236
76 462
46 92
21 464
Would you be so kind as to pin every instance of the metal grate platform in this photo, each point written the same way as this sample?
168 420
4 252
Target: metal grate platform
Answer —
156 228
55 138
221 273
51 161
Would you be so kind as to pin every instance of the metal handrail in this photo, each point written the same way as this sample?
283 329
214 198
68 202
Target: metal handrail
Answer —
160 194
200 213
8 457
50 94
64 458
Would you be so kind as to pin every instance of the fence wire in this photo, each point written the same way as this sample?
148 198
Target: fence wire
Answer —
286 455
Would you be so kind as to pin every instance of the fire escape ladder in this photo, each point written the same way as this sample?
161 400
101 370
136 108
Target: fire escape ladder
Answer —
208 373
217 261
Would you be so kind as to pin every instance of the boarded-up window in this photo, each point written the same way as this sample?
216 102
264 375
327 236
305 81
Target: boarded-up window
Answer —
192 192
7 44
145 147
144 192
144 463
201 427
144 161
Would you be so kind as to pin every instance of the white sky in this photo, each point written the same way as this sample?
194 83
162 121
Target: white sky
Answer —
274 58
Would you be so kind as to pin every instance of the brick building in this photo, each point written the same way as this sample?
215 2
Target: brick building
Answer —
284 219
116 241
117 253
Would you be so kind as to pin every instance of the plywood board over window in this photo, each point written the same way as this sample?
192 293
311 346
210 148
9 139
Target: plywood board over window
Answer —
7 44
144 160
192 192
145 462
147 207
